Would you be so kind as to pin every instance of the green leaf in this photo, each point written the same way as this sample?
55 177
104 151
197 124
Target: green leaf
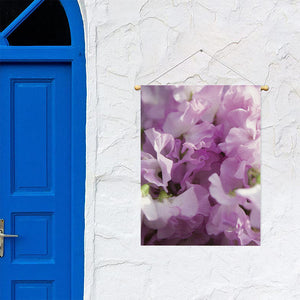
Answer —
145 189
163 195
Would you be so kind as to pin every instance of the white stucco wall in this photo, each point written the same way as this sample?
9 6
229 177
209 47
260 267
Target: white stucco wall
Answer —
131 42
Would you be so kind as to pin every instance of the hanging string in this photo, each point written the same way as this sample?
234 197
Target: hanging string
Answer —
264 88
234 71
161 75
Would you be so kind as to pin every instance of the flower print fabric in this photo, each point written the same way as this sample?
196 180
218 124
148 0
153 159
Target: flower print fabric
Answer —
200 165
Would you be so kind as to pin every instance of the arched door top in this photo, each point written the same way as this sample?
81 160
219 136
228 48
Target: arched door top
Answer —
40 23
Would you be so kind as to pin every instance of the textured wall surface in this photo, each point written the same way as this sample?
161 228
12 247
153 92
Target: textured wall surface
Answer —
131 42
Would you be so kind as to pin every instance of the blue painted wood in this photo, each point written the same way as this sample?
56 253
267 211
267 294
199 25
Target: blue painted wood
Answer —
41 53
38 290
64 63
31 144
36 244
22 17
3 41
36 121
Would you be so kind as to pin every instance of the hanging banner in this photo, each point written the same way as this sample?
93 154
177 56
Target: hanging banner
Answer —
200 165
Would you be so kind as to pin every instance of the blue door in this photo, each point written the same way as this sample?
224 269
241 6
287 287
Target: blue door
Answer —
35 181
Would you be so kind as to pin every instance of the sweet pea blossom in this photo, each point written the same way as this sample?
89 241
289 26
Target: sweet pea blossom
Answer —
253 196
200 165
158 213
233 222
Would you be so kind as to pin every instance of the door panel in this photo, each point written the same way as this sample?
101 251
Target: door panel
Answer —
31 134
35 185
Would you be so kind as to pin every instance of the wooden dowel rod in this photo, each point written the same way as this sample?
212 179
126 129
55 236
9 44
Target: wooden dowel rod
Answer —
262 88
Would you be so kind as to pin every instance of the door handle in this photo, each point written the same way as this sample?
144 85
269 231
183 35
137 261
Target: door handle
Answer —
4 235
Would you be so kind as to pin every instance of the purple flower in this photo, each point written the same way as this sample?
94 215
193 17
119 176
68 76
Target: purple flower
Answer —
157 102
211 96
204 135
156 167
241 145
166 215
200 165
234 223
188 114
253 203
239 103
